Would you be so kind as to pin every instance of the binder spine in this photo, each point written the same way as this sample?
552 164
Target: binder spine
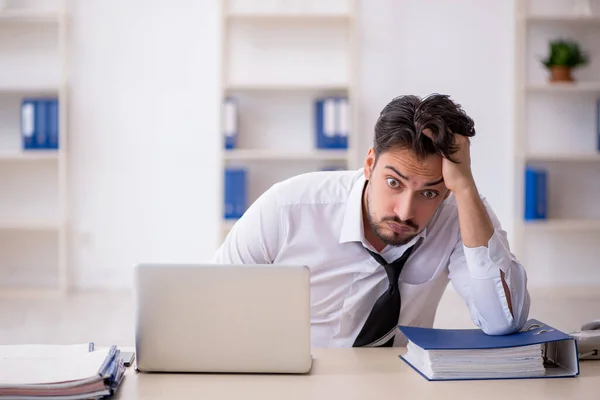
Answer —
230 123
329 123
53 124
41 124
235 192
598 124
28 126
342 123
536 194
325 123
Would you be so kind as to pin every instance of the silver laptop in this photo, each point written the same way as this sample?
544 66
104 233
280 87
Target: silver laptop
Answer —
222 318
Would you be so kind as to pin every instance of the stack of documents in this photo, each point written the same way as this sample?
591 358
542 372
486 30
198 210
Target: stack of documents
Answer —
457 354
59 372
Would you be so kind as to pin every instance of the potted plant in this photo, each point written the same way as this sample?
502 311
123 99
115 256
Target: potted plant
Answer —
564 55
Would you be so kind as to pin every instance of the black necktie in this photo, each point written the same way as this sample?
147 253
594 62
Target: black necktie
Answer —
386 311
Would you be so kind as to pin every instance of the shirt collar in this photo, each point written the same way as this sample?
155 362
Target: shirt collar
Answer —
352 225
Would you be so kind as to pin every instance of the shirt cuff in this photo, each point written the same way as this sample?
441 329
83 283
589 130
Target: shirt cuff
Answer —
484 262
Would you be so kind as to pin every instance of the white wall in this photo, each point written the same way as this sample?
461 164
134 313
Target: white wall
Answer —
456 47
144 117
145 79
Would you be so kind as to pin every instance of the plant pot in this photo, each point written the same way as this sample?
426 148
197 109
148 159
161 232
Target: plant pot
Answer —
561 74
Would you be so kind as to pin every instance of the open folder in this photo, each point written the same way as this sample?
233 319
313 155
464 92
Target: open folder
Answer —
537 351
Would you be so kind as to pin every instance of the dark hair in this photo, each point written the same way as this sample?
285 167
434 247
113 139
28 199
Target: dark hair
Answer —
402 121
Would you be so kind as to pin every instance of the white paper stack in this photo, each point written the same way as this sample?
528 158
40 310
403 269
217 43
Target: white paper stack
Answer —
59 372
477 363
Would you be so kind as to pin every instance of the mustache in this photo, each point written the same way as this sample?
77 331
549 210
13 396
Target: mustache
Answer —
397 220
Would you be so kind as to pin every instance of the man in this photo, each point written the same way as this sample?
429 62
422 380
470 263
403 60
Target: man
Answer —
414 208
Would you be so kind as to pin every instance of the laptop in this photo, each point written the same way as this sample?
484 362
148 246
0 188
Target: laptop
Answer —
222 318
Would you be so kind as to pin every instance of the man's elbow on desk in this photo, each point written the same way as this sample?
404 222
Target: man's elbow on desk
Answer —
501 320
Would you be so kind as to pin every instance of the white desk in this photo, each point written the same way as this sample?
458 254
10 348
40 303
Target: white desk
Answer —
347 374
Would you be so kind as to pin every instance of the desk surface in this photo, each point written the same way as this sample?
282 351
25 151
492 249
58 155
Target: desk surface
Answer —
353 374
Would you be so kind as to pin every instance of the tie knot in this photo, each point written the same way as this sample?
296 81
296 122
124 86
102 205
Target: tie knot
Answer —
393 269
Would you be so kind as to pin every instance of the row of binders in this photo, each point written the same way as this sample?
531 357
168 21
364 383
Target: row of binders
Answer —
331 121
40 123
72 372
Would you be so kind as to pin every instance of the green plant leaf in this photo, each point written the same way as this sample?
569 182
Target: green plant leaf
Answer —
564 52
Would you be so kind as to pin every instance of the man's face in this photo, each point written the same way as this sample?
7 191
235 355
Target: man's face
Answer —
402 195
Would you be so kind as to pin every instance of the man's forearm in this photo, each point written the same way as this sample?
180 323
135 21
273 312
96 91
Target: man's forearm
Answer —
476 227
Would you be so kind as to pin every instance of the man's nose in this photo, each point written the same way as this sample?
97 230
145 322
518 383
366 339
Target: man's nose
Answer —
404 208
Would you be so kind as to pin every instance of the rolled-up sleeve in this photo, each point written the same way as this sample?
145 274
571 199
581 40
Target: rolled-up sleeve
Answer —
475 274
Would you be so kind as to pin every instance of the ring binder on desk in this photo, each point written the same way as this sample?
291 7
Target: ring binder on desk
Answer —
537 351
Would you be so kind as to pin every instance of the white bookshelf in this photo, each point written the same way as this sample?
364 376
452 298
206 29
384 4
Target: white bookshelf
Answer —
33 201
278 57
556 129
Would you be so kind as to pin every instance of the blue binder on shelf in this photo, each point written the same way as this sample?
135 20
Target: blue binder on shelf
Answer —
325 123
598 124
28 128
342 123
536 193
40 123
235 192
230 123
471 354
53 121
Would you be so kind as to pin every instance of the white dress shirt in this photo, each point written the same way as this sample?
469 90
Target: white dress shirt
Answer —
315 219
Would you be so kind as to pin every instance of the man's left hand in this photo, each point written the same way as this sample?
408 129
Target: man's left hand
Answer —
457 175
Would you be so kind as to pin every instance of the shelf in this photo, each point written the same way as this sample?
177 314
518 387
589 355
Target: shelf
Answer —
283 87
32 225
564 19
8 15
584 87
44 90
278 155
33 293
32 155
288 16
594 157
563 224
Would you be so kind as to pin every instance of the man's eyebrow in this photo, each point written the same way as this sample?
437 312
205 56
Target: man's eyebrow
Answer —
433 183
397 172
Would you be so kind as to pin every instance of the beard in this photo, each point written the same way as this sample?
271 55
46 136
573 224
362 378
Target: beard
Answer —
385 234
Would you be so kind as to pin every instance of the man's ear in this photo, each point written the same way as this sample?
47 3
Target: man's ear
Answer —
369 163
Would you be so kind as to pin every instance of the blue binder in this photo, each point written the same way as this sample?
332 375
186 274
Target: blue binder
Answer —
325 123
342 123
598 124
558 349
40 123
536 187
235 192
230 123
28 113
53 124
